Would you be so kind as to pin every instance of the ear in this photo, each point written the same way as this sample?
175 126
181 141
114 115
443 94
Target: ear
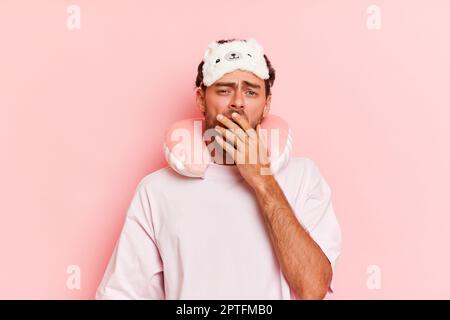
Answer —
267 106
200 99
211 46
255 45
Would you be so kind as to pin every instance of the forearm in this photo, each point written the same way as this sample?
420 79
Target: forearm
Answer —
302 261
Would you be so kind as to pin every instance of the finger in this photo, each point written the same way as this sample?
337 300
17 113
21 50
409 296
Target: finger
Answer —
230 137
254 134
242 121
226 146
262 136
232 125
227 122
264 153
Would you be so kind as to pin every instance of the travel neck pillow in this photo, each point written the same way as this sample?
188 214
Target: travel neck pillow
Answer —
186 151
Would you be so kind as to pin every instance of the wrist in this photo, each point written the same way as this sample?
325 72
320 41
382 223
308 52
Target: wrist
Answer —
264 184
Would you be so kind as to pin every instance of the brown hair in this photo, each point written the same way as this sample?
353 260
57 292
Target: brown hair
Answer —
268 82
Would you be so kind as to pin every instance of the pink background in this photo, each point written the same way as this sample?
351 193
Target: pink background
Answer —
83 112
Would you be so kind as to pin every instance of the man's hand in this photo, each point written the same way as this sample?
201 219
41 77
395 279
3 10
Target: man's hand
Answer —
302 261
247 148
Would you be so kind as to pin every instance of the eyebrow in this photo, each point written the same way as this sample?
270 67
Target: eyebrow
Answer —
233 84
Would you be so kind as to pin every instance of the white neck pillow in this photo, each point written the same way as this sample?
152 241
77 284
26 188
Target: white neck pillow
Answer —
186 151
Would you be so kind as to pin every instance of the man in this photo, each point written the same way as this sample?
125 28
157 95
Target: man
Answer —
236 233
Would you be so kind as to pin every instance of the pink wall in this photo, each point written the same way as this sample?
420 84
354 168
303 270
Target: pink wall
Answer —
82 116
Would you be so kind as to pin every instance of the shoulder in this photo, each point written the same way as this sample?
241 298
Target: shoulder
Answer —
303 174
156 178
303 166
163 181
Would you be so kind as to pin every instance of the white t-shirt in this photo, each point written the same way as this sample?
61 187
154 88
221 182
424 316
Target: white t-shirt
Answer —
191 238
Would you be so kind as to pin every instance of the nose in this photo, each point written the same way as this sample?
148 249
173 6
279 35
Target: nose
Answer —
237 103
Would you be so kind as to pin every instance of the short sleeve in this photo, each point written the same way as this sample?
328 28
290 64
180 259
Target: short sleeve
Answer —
314 209
135 270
